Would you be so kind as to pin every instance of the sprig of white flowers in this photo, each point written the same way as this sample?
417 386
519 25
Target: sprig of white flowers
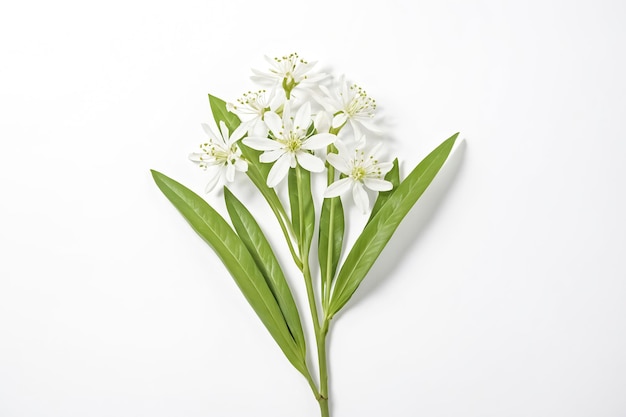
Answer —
298 124
304 119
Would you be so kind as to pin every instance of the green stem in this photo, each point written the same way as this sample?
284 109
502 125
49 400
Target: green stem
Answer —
321 330
287 229
279 212
323 368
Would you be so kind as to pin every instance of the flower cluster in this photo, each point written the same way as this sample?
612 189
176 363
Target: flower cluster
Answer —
305 119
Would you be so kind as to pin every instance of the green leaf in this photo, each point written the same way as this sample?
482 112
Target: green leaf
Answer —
257 171
302 208
392 176
235 256
379 230
218 108
252 156
252 236
330 241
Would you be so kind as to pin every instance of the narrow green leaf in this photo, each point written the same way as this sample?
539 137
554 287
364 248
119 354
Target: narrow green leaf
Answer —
252 156
236 258
330 240
392 176
257 171
252 236
218 108
377 233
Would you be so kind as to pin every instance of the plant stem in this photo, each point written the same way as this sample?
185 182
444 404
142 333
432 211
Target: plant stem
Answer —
278 210
323 368
321 330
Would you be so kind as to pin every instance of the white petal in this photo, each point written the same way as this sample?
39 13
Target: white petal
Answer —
360 197
376 149
230 172
215 173
377 184
314 78
208 131
303 68
338 162
338 187
303 117
271 156
339 119
258 128
224 131
275 99
385 167
319 141
262 144
342 148
279 170
273 122
197 157
241 165
310 162
360 143
355 128
238 133
322 122
263 79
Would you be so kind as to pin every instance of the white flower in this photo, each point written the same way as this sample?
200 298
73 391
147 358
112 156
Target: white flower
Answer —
288 72
362 171
220 155
291 144
350 104
251 108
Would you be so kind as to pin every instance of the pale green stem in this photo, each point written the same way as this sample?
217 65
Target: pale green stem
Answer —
285 224
323 368
320 332
287 229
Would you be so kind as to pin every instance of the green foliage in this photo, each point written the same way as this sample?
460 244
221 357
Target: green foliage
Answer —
248 256
238 261
332 225
379 230
218 108
253 238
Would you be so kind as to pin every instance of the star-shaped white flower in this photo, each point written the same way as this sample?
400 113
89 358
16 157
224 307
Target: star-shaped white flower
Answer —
220 156
362 170
349 103
288 72
291 144
252 107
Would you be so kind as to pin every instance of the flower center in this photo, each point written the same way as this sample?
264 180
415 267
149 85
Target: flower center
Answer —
289 83
358 173
292 143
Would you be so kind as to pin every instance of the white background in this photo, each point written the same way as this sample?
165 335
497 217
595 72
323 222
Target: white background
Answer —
503 293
